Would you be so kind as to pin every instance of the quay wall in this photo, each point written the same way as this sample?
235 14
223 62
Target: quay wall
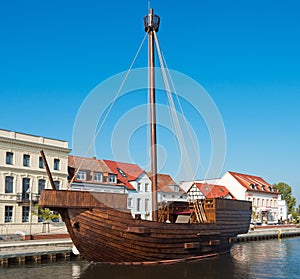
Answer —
35 250
269 232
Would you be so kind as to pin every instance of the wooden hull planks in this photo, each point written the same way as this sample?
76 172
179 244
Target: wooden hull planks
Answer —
104 234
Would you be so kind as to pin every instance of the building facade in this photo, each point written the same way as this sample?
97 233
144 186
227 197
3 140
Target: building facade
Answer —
138 184
90 174
264 196
168 189
23 176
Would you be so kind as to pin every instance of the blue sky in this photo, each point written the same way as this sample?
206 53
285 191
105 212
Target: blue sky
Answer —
244 53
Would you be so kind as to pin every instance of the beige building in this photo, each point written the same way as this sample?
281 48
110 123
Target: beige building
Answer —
23 176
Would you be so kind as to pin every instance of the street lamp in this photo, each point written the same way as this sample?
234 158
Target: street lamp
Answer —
29 191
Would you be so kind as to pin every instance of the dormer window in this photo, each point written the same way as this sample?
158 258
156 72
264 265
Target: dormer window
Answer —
253 186
263 188
112 178
81 175
98 176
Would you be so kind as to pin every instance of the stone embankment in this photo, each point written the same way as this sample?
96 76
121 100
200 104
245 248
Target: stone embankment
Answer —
269 232
34 250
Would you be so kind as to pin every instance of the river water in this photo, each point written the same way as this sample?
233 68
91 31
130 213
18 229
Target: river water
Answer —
269 259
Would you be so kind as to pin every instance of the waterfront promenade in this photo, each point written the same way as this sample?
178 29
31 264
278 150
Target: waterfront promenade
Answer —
34 250
21 251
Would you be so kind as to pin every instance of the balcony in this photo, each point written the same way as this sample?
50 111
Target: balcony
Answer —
25 198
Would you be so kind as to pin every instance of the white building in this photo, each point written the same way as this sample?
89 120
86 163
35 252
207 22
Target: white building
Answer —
138 187
140 196
23 176
264 196
282 210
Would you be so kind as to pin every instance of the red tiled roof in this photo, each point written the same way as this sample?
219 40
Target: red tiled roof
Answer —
126 172
91 164
164 181
213 191
253 183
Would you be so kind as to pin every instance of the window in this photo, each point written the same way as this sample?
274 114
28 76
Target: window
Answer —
9 158
9 184
98 176
129 203
25 188
147 205
81 175
56 164
138 205
26 160
41 163
41 185
146 187
121 172
56 184
112 178
25 214
139 187
8 218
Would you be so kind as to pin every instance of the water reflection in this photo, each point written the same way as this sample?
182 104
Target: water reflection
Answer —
60 269
221 267
265 259
271 259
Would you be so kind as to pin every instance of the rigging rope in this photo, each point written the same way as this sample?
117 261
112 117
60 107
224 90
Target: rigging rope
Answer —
109 110
178 130
184 118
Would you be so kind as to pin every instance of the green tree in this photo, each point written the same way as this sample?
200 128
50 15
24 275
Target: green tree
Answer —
286 193
46 214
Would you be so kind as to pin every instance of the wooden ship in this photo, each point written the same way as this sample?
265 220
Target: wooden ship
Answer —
104 230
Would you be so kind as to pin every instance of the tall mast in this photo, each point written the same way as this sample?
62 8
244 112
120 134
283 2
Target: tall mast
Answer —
151 23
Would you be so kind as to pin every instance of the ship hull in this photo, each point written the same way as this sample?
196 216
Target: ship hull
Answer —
104 231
